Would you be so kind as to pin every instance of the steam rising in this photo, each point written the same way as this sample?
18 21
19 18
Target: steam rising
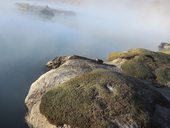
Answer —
107 25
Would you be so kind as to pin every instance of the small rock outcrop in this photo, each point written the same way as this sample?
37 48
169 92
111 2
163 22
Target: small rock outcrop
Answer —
55 63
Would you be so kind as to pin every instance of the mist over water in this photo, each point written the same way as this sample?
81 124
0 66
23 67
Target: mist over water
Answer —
28 40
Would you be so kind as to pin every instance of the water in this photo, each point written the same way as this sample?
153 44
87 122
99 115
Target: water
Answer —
28 41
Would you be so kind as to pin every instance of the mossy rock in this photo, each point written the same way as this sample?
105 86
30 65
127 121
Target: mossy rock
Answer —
101 99
163 75
167 51
127 54
142 63
137 69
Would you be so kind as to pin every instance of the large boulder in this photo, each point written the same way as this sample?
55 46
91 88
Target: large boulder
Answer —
105 99
144 64
85 93
62 70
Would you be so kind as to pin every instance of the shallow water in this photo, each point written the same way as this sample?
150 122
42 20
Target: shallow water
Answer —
28 41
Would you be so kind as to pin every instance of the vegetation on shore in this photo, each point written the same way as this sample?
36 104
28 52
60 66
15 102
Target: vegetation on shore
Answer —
100 99
145 64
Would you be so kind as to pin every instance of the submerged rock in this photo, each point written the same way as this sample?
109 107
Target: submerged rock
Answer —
84 93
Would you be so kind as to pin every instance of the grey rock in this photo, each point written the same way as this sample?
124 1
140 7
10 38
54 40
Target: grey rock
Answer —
153 101
62 69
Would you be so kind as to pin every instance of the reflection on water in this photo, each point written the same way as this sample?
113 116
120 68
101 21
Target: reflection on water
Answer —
28 41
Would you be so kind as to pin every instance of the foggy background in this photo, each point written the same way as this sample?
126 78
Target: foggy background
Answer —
28 40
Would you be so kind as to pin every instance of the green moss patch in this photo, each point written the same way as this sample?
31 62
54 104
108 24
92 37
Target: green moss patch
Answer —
127 54
96 99
144 64
137 69
163 75
167 51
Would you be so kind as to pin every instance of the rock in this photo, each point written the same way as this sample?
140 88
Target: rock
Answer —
161 115
143 64
99 61
85 102
79 92
63 69
58 61
117 62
